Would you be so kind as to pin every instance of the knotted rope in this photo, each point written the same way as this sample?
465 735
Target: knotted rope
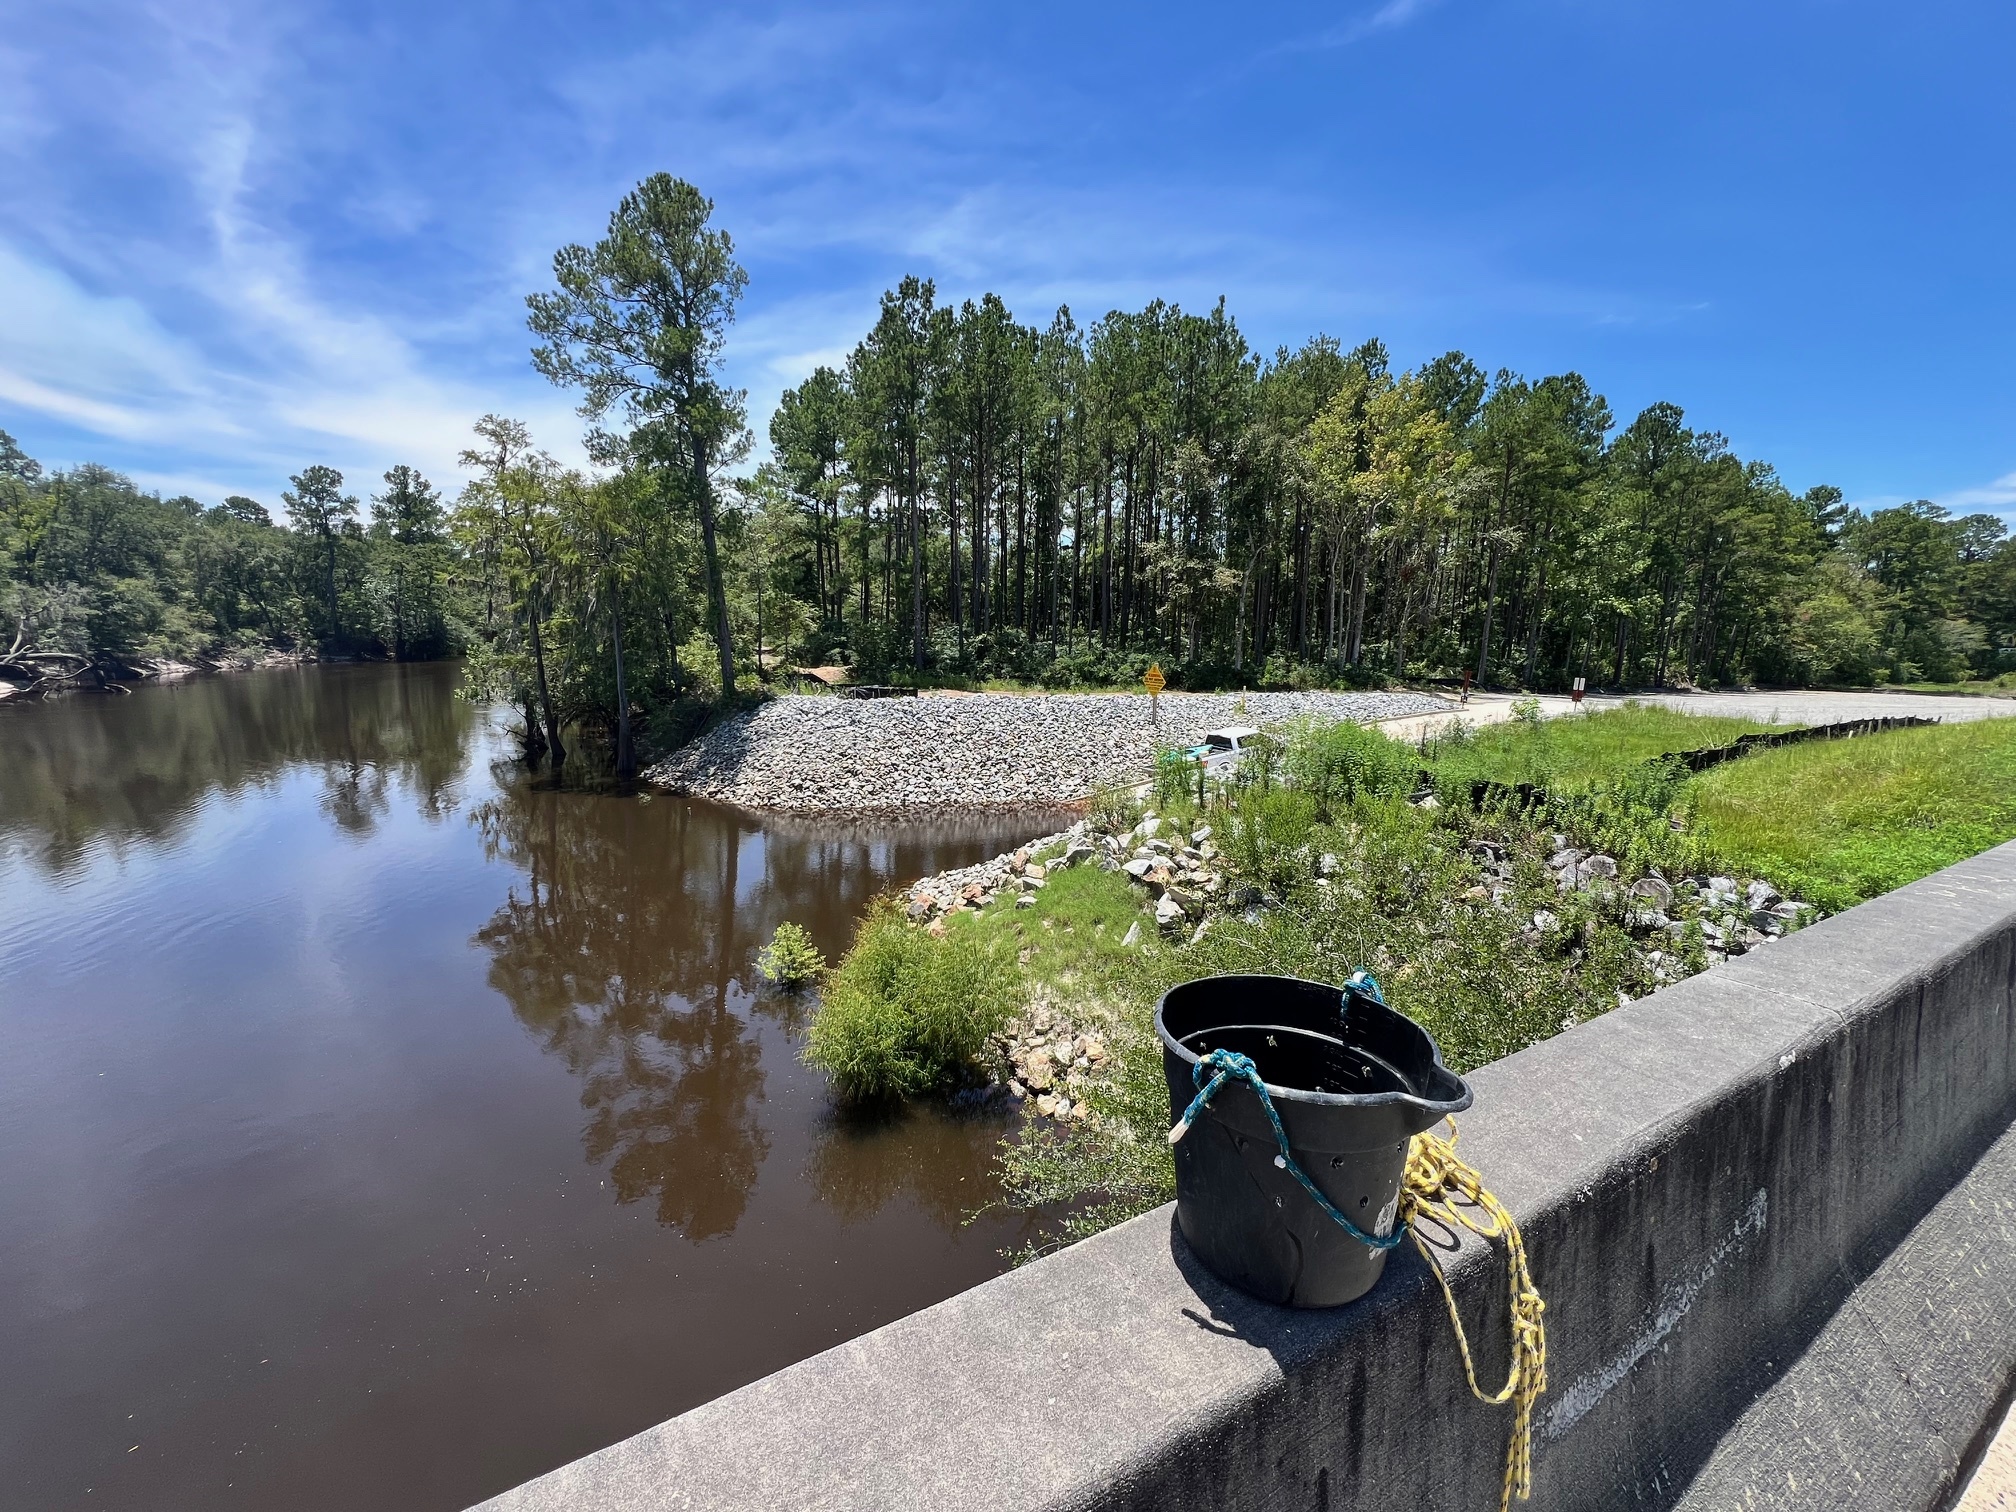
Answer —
1434 1178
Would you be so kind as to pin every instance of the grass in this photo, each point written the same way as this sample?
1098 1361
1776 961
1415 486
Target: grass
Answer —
1575 750
1841 821
1444 904
1065 940
1406 898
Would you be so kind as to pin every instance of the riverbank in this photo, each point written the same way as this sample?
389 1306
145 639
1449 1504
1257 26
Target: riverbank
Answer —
1131 881
1494 928
810 752
35 675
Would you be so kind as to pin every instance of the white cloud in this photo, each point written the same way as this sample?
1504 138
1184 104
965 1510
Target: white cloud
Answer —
338 387
1390 16
96 360
1395 13
1997 498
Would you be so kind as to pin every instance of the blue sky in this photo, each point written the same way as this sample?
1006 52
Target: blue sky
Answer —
238 237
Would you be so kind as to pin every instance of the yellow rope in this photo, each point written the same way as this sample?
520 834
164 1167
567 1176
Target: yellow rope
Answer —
1434 1178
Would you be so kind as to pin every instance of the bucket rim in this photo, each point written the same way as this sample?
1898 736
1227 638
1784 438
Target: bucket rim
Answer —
1439 1108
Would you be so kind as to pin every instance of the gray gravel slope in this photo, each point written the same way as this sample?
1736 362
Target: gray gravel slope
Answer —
830 753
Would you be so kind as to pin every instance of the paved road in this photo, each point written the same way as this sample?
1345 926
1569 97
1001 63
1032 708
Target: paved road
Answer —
1832 708
1795 707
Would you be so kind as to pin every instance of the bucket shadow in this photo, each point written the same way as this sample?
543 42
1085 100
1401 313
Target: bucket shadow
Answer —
1405 1294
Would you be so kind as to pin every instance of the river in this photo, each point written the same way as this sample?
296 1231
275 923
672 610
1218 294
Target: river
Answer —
382 1129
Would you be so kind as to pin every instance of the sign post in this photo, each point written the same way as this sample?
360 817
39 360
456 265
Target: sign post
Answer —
1154 682
1580 682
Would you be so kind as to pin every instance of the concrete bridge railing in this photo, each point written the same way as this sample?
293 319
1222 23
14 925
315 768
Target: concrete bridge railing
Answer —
1772 1210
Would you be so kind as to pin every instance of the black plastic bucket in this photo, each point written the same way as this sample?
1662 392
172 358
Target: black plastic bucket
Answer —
1352 1082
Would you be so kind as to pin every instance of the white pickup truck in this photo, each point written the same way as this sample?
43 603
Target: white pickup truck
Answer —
1223 750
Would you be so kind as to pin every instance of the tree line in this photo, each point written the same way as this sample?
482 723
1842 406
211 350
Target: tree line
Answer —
96 573
971 493
969 497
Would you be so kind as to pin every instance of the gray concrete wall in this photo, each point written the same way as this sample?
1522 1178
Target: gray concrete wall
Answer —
1703 1178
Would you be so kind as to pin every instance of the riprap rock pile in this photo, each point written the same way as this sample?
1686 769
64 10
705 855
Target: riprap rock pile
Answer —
810 752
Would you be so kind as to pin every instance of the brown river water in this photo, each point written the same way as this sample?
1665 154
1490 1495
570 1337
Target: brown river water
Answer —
380 1130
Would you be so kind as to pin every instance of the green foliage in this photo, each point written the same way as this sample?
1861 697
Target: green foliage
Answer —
92 566
1627 813
1573 751
1175 778
1399 902
1834 822
1267 836
1335 761
973 500
637 323
1839 821
983 501
790 960
1111 808
1066 943
905 1012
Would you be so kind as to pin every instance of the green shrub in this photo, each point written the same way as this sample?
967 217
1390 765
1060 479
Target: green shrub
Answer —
1267 837
1490 961
1175 777
906 1012
1334 763
790 960
1112 808
1401 902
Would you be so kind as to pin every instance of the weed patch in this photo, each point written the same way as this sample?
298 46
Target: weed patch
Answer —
790 961
1494 929
1489 960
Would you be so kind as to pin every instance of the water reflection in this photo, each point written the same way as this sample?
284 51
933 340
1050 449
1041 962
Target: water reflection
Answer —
355 796
289 1178
861 1162
628 949
620 951
86 769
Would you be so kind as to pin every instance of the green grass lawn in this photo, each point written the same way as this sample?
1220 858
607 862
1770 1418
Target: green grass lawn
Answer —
1840 821
1576 749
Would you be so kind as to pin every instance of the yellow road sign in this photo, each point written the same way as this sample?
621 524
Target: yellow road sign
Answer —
1154 682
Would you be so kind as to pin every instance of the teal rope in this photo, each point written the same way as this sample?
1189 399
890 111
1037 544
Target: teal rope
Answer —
1362 982
1226 1065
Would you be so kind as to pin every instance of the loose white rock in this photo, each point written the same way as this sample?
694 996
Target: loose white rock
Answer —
811 752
